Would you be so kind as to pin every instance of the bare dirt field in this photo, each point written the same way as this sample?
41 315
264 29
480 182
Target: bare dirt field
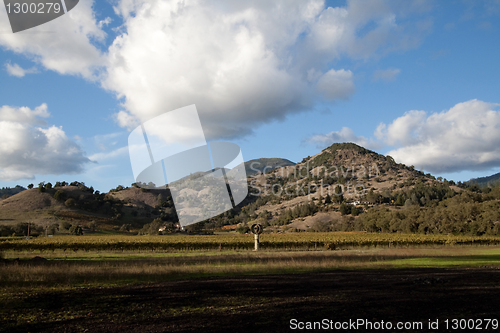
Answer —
269 303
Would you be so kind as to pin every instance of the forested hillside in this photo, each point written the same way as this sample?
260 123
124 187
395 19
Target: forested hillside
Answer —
485 181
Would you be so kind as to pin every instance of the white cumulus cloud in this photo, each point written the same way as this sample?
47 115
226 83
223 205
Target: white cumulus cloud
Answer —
404 130
465 137
24 114
27 149
244 63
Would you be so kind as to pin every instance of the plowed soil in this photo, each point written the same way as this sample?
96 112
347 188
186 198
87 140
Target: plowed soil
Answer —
268 303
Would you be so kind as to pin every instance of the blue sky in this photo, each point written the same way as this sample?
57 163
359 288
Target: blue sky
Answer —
418 80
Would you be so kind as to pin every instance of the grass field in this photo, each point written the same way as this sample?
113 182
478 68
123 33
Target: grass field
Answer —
83 261
63 271
82 266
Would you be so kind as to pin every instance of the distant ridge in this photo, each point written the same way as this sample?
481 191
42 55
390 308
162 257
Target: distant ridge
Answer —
258 165
11 190
485 181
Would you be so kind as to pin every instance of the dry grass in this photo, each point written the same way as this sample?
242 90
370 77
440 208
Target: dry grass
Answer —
118 271
106 269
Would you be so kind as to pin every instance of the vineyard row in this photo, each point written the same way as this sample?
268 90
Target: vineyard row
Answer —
329 241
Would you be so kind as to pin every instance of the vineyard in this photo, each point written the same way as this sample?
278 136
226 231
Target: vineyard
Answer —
295 241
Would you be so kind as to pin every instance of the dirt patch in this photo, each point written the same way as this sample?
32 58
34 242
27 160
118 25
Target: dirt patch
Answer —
139 197
304 223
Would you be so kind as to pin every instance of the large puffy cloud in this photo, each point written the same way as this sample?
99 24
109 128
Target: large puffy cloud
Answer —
63 45
465 137
217 57
27 149
243 63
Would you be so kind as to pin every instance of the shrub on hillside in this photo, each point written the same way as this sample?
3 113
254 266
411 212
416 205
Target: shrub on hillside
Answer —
70 203
60 195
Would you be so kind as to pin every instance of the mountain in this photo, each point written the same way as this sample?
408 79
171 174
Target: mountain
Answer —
485 181
256 166
360 174
343 163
